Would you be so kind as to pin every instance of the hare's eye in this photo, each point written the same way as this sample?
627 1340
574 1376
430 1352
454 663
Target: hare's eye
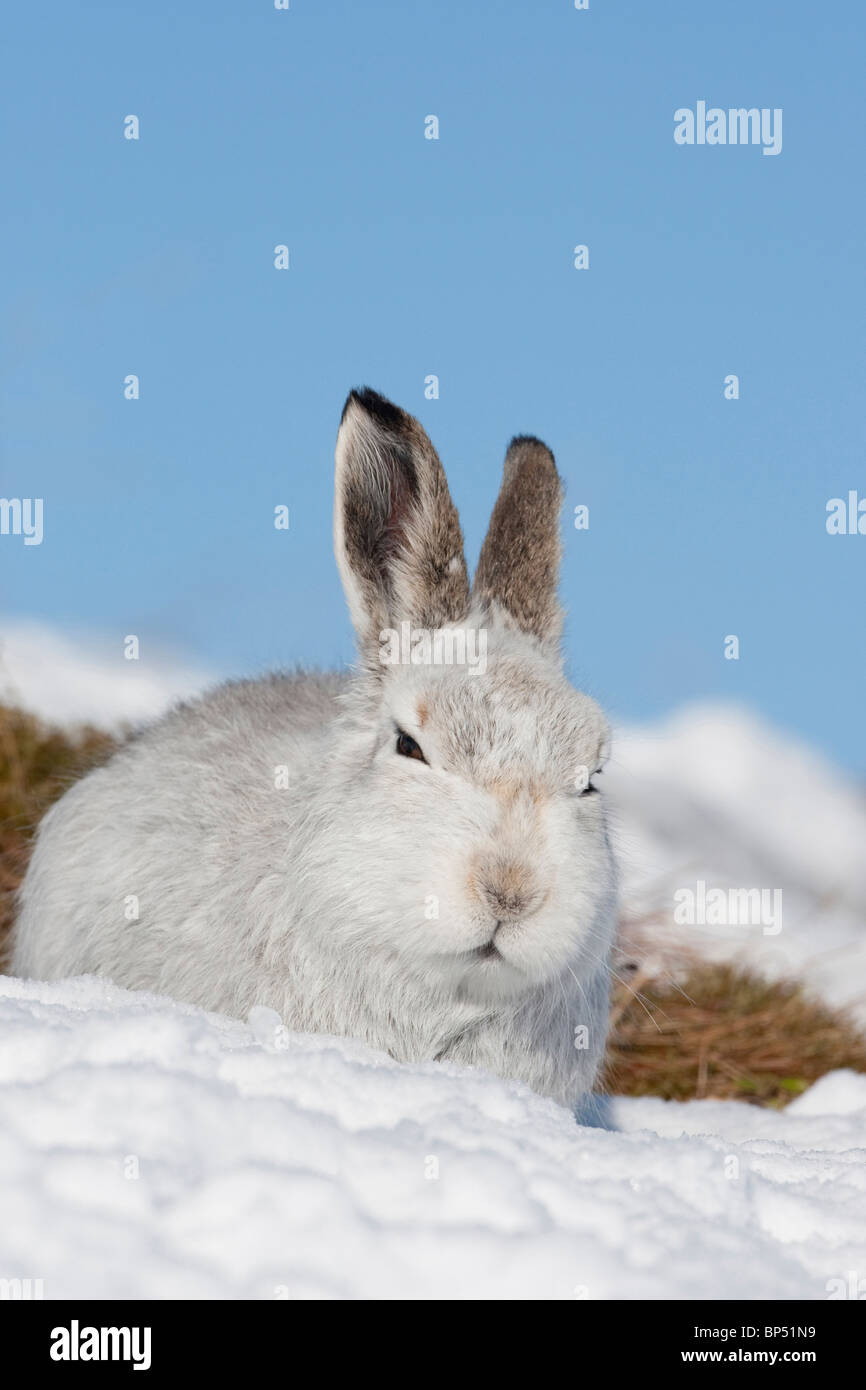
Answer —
408 748
590 788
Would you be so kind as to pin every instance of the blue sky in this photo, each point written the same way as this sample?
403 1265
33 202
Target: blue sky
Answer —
454 257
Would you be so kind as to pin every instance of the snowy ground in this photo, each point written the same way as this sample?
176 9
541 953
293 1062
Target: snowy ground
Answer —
151 1150
71 678
755 799
716 795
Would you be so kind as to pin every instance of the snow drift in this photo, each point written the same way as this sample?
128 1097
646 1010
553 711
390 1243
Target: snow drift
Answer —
74 679
149 1150
717 796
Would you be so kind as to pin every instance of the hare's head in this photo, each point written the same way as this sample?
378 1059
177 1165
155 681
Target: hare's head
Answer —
468 806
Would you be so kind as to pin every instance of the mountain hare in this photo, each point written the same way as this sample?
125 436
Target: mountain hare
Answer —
413 854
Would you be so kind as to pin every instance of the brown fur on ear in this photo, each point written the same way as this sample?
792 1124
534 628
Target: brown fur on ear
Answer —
397 535
519 562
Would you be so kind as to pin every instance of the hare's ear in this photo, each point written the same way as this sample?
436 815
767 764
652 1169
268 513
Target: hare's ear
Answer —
519 564
397 535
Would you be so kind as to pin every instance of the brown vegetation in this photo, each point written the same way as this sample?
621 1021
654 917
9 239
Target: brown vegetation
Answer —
724 1032
37 764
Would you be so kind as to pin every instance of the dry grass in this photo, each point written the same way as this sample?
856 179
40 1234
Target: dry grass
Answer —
37 764
725 1033
720 1032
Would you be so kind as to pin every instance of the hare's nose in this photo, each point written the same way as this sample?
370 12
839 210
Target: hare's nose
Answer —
508 902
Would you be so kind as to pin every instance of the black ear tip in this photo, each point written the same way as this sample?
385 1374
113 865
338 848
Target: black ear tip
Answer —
383 411
528 441
526 450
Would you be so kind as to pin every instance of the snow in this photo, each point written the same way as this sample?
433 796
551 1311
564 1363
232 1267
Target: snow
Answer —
716 795
77 679
150 1150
